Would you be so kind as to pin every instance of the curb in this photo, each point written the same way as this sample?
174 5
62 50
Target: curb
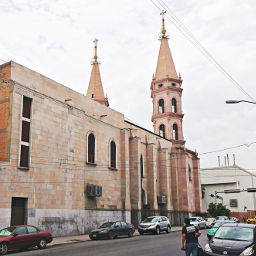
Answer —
76 241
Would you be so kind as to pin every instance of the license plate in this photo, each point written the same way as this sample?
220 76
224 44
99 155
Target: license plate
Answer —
94 235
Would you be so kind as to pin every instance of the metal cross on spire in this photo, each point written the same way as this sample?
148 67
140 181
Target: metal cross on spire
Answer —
163 26
95 47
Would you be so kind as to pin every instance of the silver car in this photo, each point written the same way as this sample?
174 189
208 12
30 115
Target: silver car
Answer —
198 222
155 225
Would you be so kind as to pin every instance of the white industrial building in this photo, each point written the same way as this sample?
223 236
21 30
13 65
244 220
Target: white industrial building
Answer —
224 178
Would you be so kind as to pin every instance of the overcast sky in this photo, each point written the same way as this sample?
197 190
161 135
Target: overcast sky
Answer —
55 38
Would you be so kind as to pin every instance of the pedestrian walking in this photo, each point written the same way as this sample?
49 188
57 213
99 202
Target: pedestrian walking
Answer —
190 235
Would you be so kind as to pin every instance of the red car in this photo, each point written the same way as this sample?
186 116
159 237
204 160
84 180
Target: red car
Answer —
23 236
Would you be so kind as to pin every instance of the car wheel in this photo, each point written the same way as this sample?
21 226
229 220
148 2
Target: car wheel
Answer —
111 235
3 248
42 244
141 233
157 232
168 230
130 233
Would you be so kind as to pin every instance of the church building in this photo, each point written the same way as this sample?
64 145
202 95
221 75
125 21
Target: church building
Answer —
69 162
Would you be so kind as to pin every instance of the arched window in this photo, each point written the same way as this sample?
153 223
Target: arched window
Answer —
91 148
162 130
189 173
141 167
112 154
174 105
161 106
175 132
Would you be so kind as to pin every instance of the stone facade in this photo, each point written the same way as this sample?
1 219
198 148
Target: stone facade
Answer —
150 175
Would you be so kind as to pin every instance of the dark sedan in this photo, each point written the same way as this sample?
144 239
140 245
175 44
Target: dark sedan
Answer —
232 239
112 230
21 237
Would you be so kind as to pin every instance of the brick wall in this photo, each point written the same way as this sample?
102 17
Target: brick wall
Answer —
5 93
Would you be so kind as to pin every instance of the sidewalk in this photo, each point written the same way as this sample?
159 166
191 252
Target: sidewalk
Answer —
83 238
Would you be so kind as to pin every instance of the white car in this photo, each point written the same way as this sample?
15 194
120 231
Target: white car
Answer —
198 222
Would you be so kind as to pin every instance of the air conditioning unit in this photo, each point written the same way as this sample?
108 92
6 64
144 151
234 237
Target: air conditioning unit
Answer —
90 190
93 190
161 200
98 191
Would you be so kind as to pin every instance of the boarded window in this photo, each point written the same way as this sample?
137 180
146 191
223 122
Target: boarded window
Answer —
24 156
162 130
91 148
113 154
26 107
25 131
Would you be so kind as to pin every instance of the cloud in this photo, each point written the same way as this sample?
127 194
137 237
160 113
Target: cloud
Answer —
55 39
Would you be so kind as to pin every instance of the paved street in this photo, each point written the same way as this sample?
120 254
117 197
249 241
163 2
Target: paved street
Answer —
162 245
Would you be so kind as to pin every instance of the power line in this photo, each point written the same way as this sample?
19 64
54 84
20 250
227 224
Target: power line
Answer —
224 149
188 34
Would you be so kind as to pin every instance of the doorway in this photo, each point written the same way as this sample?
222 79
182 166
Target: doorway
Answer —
19 211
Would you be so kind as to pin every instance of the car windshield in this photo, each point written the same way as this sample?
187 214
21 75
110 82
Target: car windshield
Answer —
217 224
150 219
107 225
210 219
235 233
7 231
193 219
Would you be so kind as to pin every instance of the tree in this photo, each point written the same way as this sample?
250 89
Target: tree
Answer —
219 210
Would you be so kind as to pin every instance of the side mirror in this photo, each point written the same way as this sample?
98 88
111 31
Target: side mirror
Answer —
14 234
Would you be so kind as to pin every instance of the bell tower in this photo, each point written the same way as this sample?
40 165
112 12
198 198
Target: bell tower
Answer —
166 94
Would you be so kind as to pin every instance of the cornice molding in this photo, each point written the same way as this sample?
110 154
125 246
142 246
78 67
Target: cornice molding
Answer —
167 114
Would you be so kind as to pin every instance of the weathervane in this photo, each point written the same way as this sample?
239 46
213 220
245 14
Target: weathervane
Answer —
95 54
163 26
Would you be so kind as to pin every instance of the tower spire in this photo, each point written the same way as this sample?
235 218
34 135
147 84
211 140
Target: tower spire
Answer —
165 65
95 89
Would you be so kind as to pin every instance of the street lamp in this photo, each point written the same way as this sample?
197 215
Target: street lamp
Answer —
238 101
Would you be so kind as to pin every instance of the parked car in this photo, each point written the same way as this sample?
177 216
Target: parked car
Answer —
215 227
198 222
155 225
21 237
251 220
112 230
234 219
222 218
232 239
210 222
